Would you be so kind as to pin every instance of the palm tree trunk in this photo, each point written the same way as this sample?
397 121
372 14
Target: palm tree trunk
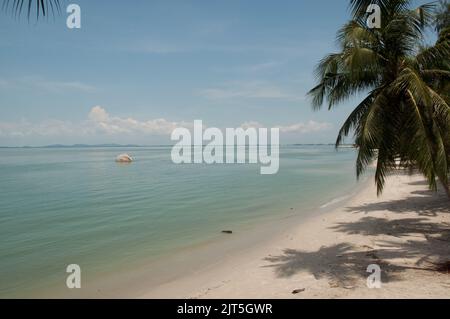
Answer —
446 188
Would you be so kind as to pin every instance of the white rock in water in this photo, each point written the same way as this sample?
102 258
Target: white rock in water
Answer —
124 158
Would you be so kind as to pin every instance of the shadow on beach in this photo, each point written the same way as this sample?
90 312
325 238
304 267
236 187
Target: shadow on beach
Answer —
424 203
401 244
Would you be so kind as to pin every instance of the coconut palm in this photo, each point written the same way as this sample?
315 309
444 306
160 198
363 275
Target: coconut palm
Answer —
443 15
404 117
44 7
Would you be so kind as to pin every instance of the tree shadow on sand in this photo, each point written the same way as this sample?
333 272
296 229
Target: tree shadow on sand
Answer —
424 203
373 226
342 265
417 242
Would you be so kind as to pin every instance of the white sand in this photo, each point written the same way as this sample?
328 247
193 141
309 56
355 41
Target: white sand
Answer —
405 231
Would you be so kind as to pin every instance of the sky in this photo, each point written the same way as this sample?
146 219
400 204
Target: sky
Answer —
136 70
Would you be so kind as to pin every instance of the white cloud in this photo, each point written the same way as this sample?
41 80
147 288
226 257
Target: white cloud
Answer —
261 66
308 127
117 125
40 83
252 68
98 114
64 86
297 128
159 48
192 46
249 90
99 122
251 124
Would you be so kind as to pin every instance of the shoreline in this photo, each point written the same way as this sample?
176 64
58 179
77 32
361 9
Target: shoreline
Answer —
404 231
206 255
143 259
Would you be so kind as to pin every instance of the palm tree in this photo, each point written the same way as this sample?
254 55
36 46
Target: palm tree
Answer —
405 116
44 7
443 15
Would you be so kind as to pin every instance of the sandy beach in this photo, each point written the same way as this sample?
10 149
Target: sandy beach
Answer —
406 232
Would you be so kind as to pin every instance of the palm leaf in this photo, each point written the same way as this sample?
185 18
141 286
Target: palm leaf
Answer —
40 7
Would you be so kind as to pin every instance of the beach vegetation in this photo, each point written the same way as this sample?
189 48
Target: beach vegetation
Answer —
442 15
41 8
403 118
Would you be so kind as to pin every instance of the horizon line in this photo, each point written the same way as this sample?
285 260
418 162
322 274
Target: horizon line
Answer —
113 145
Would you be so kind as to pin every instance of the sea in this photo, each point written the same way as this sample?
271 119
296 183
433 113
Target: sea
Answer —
63 206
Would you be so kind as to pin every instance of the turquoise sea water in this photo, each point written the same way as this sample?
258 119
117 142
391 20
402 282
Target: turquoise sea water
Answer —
77 206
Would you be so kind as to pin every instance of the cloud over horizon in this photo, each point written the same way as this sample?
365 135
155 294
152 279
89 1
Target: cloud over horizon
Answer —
100 123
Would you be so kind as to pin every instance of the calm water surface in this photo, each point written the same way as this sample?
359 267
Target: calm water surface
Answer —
65 206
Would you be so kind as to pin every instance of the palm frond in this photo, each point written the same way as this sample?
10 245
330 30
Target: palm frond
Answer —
39 7
405 117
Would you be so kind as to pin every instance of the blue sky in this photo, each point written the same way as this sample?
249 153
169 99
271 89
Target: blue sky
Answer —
136 69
